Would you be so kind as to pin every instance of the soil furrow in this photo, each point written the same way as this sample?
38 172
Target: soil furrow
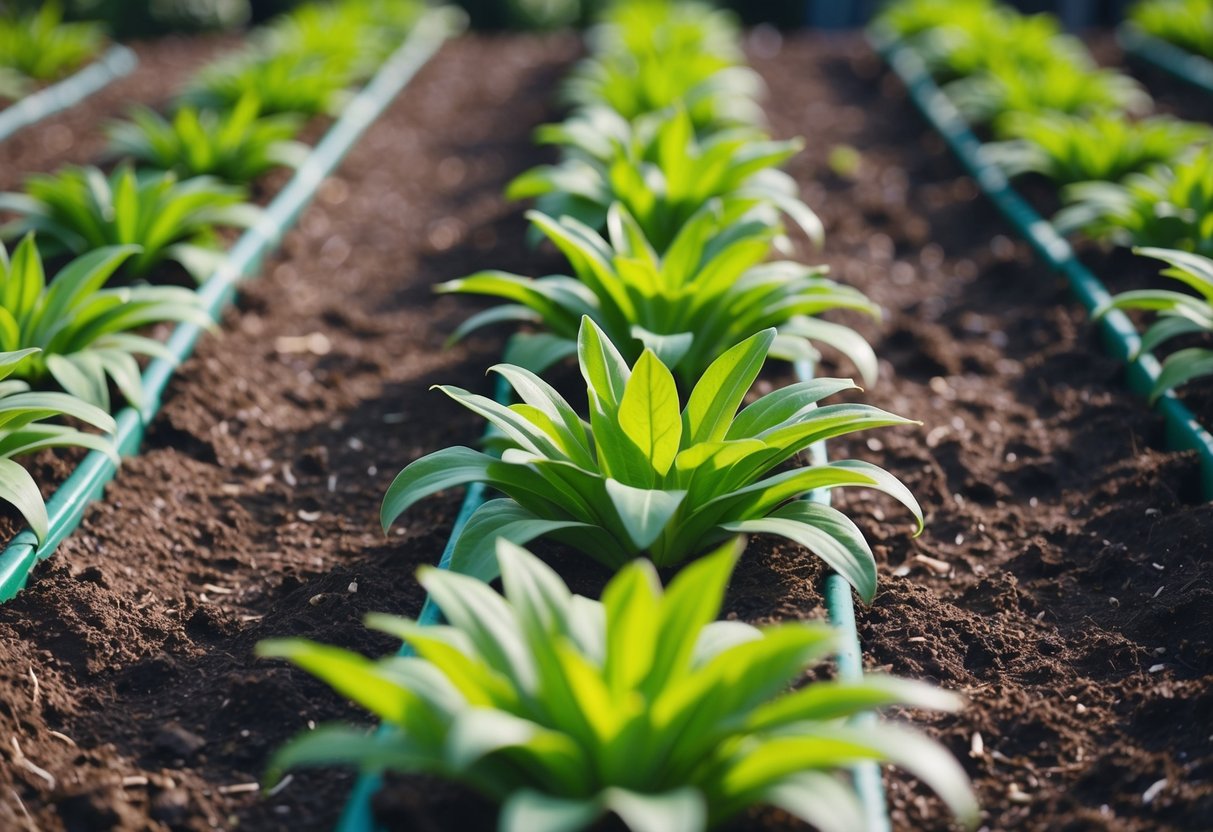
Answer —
1073 604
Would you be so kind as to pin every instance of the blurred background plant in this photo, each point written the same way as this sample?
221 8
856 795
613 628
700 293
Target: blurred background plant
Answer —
142 18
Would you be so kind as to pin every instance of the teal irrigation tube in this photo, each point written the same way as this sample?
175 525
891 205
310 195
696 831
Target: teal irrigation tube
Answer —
1120 337
116 62
66 507
358 815
841 608
1188 67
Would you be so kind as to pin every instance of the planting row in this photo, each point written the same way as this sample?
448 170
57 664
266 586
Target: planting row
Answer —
1187 24
667 205
38 47
70 341
1122 176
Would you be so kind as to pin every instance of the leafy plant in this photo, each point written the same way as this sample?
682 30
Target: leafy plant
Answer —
1170 206
565 709
24 429
1186 23
41 46
907 18
662 174
644 477
290 82
235 145
711 290
80 209
651 58
84 332
1179 314
1105 147
356 35
1010 87
1002 37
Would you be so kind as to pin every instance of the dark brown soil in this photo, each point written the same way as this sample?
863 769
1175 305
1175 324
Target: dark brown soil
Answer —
1074 605
1073 608
76 136
253 510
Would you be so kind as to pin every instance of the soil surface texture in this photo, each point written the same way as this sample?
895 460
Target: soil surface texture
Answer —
1062 583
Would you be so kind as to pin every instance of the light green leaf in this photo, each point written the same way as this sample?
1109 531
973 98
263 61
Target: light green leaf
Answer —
447 468
18 488
531 811
682 810
475 548
632 604
648 412
645 512
716 397
335 745
827 533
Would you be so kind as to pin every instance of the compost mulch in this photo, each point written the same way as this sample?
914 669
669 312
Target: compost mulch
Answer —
1062 583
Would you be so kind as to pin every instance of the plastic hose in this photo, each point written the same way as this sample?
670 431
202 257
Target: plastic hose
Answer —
116 62
66 507
1120 338
841 608
1188 67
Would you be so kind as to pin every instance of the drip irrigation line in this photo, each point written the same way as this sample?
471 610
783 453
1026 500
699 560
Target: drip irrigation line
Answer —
1195 70
115 63
66 507
1120 337
840 607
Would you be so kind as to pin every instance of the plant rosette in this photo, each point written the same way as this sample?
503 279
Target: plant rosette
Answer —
564 709
643 477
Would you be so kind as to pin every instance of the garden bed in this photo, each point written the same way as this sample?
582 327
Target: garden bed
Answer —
75 136
252 512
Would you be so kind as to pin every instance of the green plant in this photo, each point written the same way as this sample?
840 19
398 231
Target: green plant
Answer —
709 291
1009 87
24 429
1106 147
1185 23
41 46
80 209
650 58
907 18
565 709
1002 36
290 82
82 331
644 477
1179 314
1170 206
355 35
235 145
662 174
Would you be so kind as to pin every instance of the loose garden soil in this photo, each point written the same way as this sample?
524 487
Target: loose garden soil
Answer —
1062 583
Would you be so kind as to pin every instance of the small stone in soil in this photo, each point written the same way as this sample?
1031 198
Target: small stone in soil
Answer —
177 741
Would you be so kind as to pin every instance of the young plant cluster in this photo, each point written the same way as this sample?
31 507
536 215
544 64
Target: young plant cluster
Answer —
642 705
38 47
107 236
1125 177
1187 24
